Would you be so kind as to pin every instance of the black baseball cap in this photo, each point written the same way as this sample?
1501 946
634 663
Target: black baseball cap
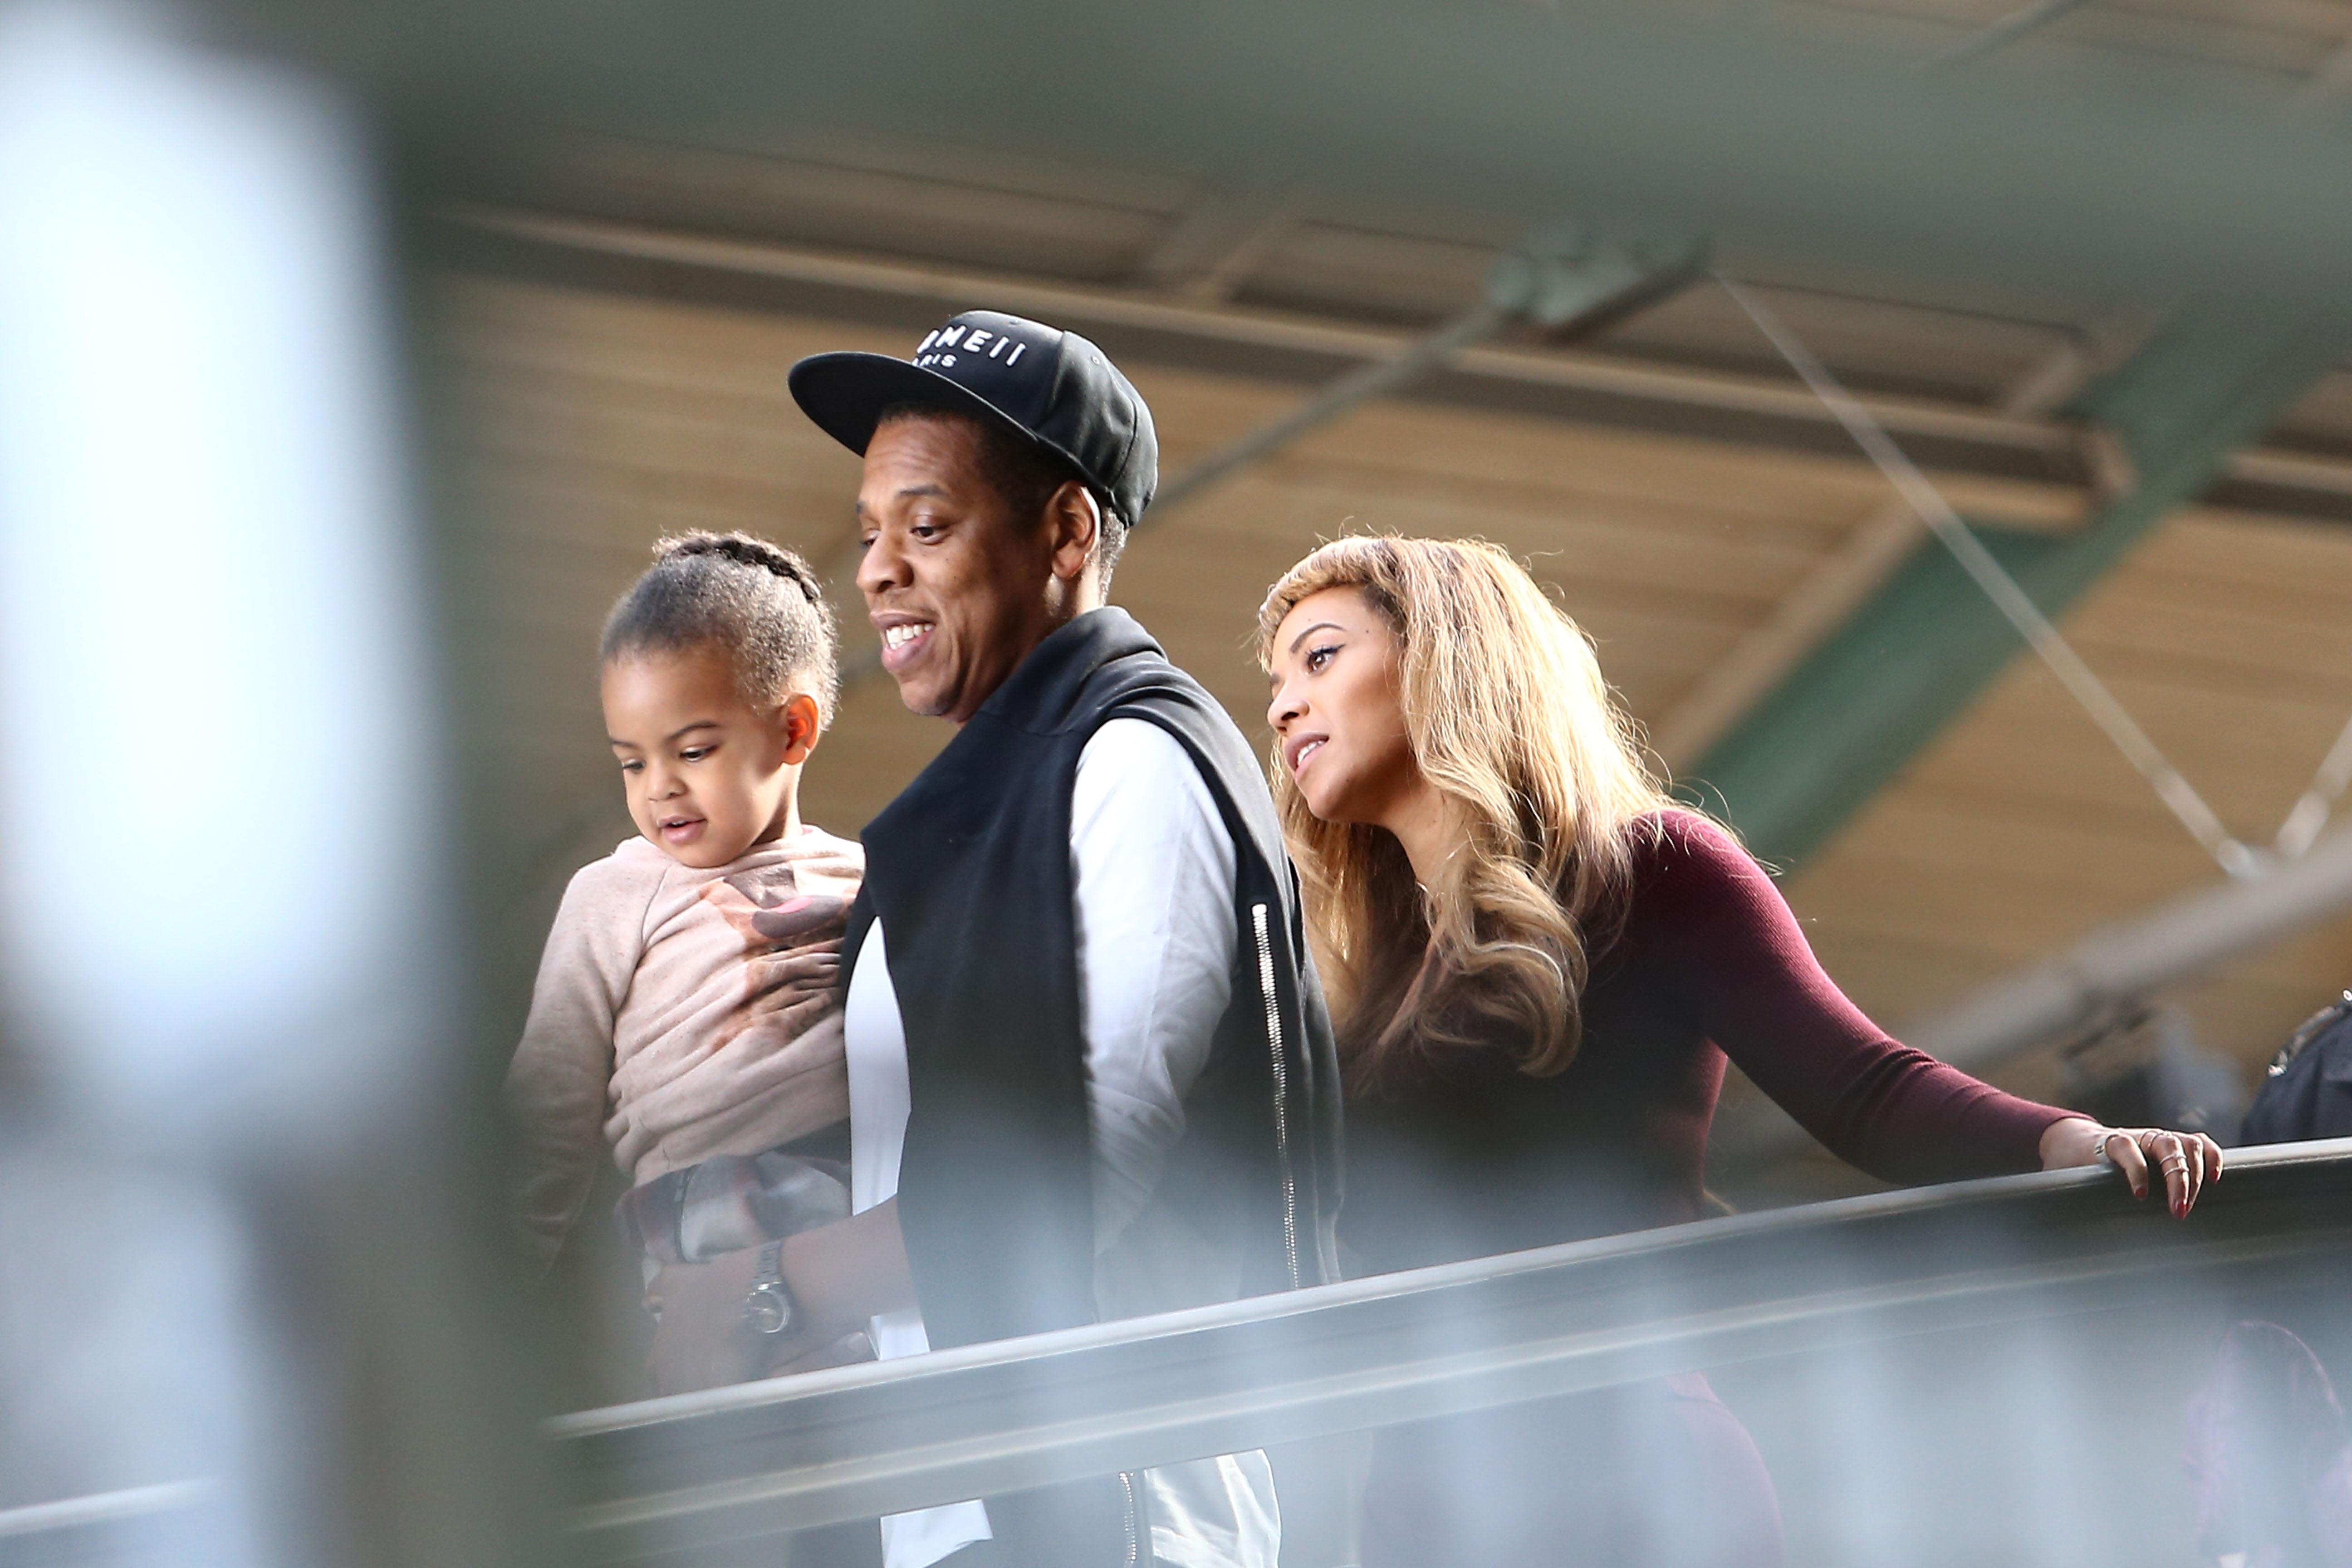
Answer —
1053 387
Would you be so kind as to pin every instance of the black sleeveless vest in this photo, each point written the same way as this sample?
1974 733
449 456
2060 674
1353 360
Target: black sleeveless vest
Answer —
969 869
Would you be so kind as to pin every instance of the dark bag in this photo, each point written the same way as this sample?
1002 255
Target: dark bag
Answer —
2308 1093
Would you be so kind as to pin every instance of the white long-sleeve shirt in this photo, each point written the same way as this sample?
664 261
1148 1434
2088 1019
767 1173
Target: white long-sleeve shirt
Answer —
1152 872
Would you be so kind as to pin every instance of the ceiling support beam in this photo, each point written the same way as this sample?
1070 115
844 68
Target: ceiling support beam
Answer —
1211 251
1858 566
1567 285
1356 387
1651 113
1915 655
2031 471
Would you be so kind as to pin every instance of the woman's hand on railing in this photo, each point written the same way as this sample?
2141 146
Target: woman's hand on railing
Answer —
2186 1160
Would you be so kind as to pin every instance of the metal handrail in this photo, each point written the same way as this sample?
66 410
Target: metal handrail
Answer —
125 1527
823 1447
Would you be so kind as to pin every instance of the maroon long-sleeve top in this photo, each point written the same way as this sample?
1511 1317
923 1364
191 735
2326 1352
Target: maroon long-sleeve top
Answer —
1472 1157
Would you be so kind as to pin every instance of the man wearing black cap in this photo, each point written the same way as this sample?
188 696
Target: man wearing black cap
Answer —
1091 1075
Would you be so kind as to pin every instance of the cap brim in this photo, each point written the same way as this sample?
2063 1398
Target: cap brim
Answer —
847 394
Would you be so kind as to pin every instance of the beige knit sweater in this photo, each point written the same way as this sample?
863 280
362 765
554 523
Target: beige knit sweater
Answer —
653 1032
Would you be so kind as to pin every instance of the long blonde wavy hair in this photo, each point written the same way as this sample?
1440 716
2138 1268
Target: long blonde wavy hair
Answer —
1508 717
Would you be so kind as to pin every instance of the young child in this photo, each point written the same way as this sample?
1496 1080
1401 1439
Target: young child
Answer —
685 1013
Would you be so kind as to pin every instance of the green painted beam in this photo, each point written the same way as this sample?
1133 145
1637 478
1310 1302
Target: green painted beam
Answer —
1910 660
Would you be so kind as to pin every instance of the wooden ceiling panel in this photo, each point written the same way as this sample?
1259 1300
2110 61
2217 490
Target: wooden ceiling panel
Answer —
1592 485
557 500
1922 837
2322 420
1158 189
2233 592
2022 830
663 342
1887 976
1551 460
872 750
2300 565
2029 745
630 393
753 460
1729 577
1979 913
918 203
2270 669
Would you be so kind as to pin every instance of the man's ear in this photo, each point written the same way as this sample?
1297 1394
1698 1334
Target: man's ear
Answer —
803 724
1074 524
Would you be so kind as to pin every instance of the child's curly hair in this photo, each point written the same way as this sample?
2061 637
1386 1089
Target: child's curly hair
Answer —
759 601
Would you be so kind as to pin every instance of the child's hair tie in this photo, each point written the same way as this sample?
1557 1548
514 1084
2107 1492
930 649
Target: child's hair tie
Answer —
694 595
746 551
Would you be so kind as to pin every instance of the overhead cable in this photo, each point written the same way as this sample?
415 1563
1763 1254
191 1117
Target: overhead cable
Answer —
2014 604
2310 813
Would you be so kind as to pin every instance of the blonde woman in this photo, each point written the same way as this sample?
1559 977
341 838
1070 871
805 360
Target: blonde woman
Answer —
1539 965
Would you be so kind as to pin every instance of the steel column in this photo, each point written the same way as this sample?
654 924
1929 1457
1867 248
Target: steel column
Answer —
1851 717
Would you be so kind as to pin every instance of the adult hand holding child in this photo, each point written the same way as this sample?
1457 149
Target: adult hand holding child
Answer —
708 1340
792 960
713 1342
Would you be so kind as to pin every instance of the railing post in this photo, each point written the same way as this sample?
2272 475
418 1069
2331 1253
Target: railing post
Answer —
249 1246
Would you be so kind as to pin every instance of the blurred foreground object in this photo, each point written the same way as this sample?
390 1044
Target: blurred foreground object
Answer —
1920 1367
2268 1454
241 1286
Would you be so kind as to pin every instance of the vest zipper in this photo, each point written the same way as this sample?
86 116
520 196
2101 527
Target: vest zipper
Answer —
1281 1093
1134 1521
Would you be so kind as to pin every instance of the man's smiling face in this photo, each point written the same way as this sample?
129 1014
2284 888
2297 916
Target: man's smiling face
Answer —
958 585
